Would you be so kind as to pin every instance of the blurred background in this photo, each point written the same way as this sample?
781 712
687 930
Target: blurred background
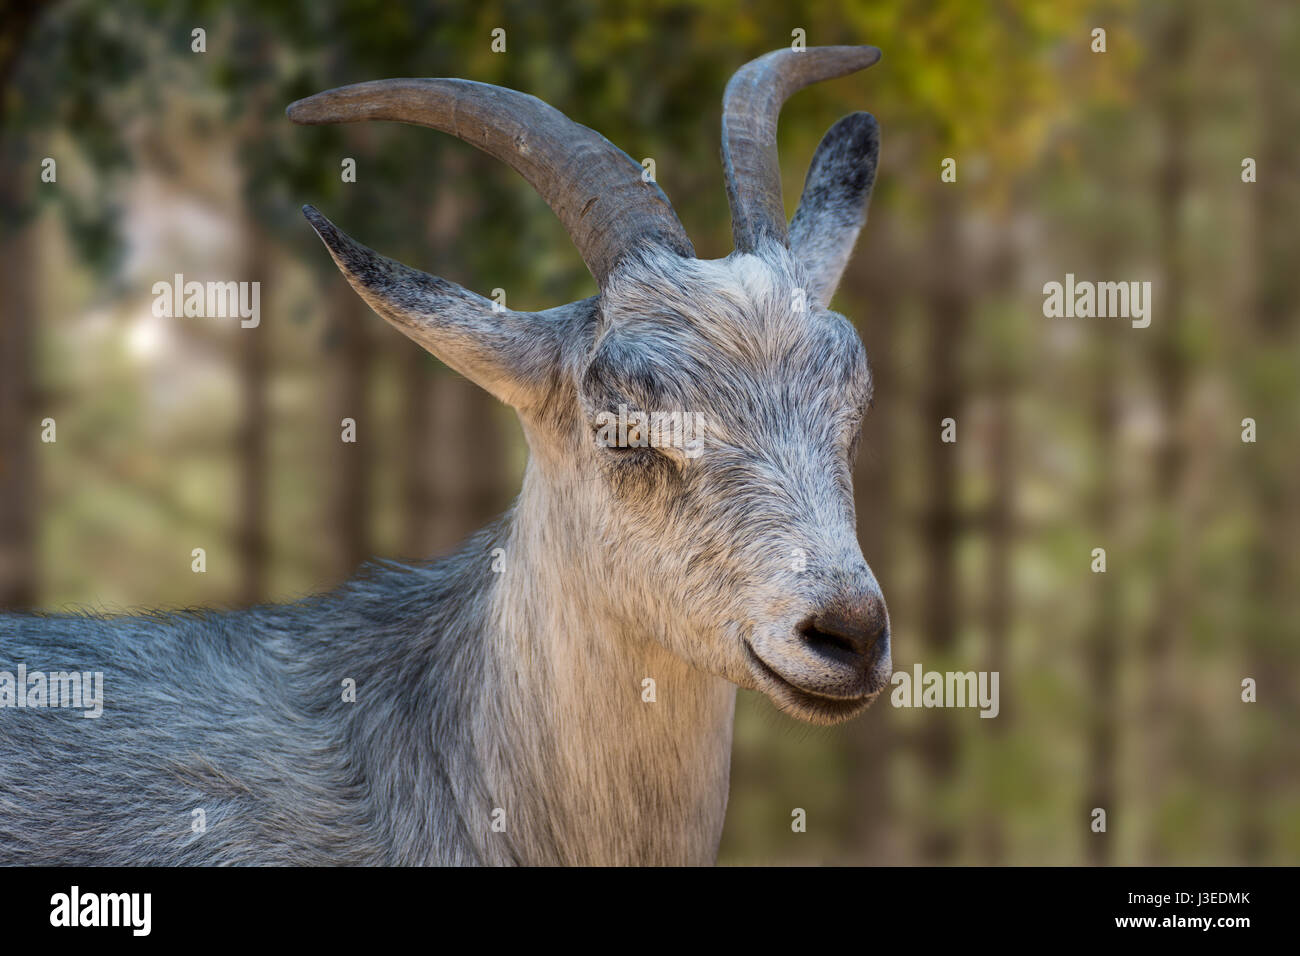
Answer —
1119 690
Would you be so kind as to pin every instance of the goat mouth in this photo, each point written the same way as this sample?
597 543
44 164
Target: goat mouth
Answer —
800 701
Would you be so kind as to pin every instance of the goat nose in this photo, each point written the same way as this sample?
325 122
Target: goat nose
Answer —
849 632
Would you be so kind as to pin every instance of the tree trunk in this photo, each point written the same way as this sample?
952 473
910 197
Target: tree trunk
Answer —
1102 644
455 469
1170 370
251 444
417 492
351 491
948 306
19 418
1270 468
1000 526
873 290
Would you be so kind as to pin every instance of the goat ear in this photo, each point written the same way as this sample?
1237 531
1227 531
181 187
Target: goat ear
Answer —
833 207
512 355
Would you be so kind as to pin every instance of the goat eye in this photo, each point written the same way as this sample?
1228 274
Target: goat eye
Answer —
607 441
621 434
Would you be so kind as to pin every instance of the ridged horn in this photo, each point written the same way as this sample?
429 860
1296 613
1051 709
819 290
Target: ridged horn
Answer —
594 187
750 107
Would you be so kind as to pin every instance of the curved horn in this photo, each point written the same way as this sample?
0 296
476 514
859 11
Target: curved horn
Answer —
594 187
750 108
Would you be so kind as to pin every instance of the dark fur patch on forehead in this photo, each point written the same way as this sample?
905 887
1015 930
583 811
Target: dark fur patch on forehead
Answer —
627 369
673 328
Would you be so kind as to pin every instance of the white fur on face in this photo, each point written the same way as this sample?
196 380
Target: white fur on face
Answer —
708 554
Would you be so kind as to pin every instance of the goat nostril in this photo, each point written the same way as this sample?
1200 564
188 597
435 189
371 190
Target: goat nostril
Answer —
824 640
847 638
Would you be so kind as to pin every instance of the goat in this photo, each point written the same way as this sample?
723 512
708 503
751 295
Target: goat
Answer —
503 712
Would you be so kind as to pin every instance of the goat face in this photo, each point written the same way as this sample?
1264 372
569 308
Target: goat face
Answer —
732 538
732 542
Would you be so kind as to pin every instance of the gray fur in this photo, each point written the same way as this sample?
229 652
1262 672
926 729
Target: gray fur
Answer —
511 694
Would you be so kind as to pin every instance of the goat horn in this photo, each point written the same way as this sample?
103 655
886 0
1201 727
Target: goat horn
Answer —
593 186
750 107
